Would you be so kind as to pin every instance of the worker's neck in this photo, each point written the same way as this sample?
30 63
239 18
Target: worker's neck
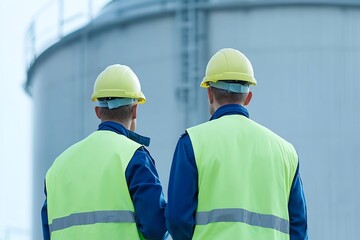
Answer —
219 105
126 124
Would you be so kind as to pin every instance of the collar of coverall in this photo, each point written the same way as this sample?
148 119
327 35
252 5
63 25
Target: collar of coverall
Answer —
120 129
230 109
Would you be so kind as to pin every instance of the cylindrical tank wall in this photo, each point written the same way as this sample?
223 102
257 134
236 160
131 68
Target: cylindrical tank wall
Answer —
305 61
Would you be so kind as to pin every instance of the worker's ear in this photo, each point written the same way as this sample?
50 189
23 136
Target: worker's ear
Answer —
248 98
210 96
97 111
134 111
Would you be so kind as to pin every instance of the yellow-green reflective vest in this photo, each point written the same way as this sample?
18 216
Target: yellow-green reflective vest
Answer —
245 173
87 193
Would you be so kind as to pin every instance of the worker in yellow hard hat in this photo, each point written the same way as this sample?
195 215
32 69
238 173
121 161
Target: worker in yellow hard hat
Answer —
106 186
232 178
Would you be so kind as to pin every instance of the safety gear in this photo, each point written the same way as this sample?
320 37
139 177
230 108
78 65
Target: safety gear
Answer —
228 64
118 81
243 190
96 203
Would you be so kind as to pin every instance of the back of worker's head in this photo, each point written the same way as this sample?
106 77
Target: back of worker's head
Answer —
117 90
118 114
223 96
228 77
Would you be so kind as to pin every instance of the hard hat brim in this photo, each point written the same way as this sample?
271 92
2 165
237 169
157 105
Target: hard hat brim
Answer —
228 77
106 93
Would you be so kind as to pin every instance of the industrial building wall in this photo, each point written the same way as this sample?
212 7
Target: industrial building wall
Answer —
305 60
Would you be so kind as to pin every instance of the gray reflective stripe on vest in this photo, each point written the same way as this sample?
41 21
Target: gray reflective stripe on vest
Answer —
85 218
244 216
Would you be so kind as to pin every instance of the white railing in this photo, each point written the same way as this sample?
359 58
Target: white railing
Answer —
55 20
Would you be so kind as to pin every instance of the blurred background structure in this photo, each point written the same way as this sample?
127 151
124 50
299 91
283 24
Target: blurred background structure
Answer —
305 55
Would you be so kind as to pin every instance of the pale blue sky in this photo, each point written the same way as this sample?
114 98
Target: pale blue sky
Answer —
15 121
16 113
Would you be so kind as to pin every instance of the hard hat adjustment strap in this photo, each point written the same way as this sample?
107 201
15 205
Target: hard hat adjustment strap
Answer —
230 87
117 102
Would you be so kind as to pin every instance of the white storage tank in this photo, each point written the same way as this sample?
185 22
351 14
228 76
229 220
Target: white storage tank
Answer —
305 55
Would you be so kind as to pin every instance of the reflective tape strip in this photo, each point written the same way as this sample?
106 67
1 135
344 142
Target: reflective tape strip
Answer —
76 219
244 216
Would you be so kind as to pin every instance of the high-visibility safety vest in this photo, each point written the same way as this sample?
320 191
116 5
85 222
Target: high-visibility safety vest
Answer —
245 174
87 193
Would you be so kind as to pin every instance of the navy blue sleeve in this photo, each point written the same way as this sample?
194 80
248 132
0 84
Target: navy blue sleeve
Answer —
147 195
297 210
182 191
44 219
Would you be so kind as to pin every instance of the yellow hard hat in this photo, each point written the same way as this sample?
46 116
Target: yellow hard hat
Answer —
118 81
228 64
